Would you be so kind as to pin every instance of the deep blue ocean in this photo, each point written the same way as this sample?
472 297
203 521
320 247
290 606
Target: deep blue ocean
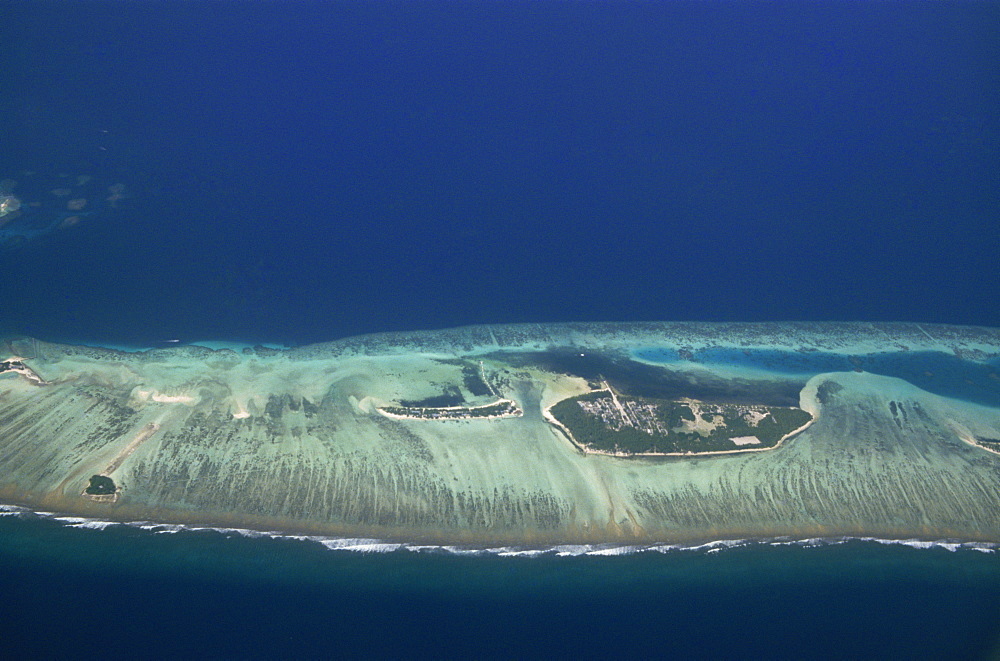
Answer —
122 592
293 172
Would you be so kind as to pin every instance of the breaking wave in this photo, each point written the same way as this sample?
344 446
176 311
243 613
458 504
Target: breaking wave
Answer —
374 545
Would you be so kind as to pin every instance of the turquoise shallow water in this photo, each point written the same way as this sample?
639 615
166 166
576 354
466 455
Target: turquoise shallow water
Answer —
125 591
934 371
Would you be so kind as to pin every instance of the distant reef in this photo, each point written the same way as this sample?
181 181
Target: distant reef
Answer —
524 434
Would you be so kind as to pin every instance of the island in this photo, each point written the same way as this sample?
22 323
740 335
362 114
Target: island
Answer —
16 365
659 432
101 489
601 421
501 409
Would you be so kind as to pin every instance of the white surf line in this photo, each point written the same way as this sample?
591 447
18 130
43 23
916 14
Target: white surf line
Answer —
513 550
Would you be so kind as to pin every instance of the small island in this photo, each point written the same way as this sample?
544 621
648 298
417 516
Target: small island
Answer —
16 365
505 408
603 422
102 489
11 365
989 443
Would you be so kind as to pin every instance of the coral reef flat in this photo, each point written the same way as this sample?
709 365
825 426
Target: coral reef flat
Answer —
298 440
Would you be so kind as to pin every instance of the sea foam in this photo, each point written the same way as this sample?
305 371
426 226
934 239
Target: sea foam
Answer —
368 545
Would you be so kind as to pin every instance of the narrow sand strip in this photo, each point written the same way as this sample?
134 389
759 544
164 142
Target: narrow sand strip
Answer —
140 438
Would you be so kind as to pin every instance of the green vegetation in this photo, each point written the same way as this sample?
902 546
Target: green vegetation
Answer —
503 407
632 425
6 366
989 443
101 485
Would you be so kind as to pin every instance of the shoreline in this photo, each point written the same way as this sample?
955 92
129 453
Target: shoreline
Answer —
22 369
974 443
586 449
476 541
312 456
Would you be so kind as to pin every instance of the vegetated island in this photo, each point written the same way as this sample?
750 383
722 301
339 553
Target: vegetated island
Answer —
603 422
505 408
102 489
989 443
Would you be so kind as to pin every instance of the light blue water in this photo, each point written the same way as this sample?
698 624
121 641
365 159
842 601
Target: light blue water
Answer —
940 373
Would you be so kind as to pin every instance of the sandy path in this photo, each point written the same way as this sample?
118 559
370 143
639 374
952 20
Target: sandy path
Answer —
139 439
